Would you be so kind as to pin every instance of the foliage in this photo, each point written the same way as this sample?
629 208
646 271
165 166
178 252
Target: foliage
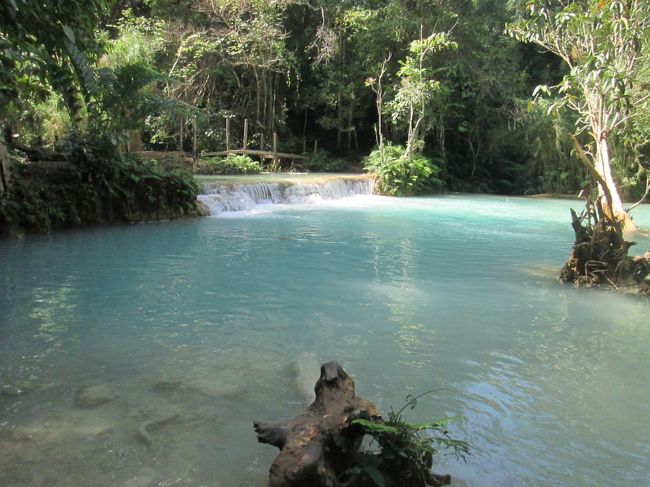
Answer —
322 161
150 74
126 92
405 450
417 90
397 175
125 97
554 168
232 164
97 186
600 42
53 38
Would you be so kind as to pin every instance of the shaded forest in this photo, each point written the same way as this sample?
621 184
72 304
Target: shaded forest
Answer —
448 80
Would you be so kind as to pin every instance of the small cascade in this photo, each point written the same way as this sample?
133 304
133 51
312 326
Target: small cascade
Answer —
225 196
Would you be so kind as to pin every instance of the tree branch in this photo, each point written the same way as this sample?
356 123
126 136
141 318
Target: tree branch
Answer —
645 195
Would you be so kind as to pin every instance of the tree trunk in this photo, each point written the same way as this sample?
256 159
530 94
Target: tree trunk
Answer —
181 136
410 138
349 129
227 134
614 205
245 137
601 170
304 131
273 102
4 169
258 98
194 146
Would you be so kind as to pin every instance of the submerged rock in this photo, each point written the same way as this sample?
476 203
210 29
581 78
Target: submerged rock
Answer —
92 396
165 386
13 390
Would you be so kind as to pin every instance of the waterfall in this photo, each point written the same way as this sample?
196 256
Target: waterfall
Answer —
227 196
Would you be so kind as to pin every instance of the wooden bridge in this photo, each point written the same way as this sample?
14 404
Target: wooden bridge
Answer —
264 154
273 154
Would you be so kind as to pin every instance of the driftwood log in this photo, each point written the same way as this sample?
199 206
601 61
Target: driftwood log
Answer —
319 444
322 447
600 252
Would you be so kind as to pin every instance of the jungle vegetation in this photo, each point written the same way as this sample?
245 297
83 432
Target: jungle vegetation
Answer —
495 96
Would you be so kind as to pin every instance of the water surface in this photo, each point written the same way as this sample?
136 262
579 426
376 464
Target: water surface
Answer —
205 319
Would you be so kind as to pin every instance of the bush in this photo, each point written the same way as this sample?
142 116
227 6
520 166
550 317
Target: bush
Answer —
399 176
321 161
402 452
233 164
96 186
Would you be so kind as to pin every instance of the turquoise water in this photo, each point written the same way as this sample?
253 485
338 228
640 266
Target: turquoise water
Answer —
216 322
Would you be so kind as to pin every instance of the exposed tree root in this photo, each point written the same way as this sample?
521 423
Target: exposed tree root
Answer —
600 252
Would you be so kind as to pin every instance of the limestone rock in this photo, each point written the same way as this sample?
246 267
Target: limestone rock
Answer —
202 209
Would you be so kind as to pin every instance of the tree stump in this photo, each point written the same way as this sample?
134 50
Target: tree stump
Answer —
322 447
321 443
600 252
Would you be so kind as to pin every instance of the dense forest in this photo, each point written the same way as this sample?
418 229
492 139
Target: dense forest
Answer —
494 96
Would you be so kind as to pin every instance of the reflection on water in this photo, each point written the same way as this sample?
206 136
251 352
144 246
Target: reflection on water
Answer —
186 332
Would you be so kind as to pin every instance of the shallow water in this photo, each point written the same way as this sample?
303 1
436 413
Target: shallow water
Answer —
204 320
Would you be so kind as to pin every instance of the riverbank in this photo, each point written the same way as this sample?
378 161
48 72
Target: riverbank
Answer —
96 186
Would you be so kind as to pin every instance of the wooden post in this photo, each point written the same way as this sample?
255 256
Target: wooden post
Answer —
315 146
227 134
261 140
245 147
194 145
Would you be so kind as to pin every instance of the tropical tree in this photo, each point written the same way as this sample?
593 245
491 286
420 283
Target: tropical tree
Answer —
230 58
53 37
417 88
600 42
44 41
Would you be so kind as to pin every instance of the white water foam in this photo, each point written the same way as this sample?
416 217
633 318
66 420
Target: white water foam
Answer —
224 197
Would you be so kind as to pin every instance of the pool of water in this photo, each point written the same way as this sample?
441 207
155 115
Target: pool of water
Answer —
196 328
